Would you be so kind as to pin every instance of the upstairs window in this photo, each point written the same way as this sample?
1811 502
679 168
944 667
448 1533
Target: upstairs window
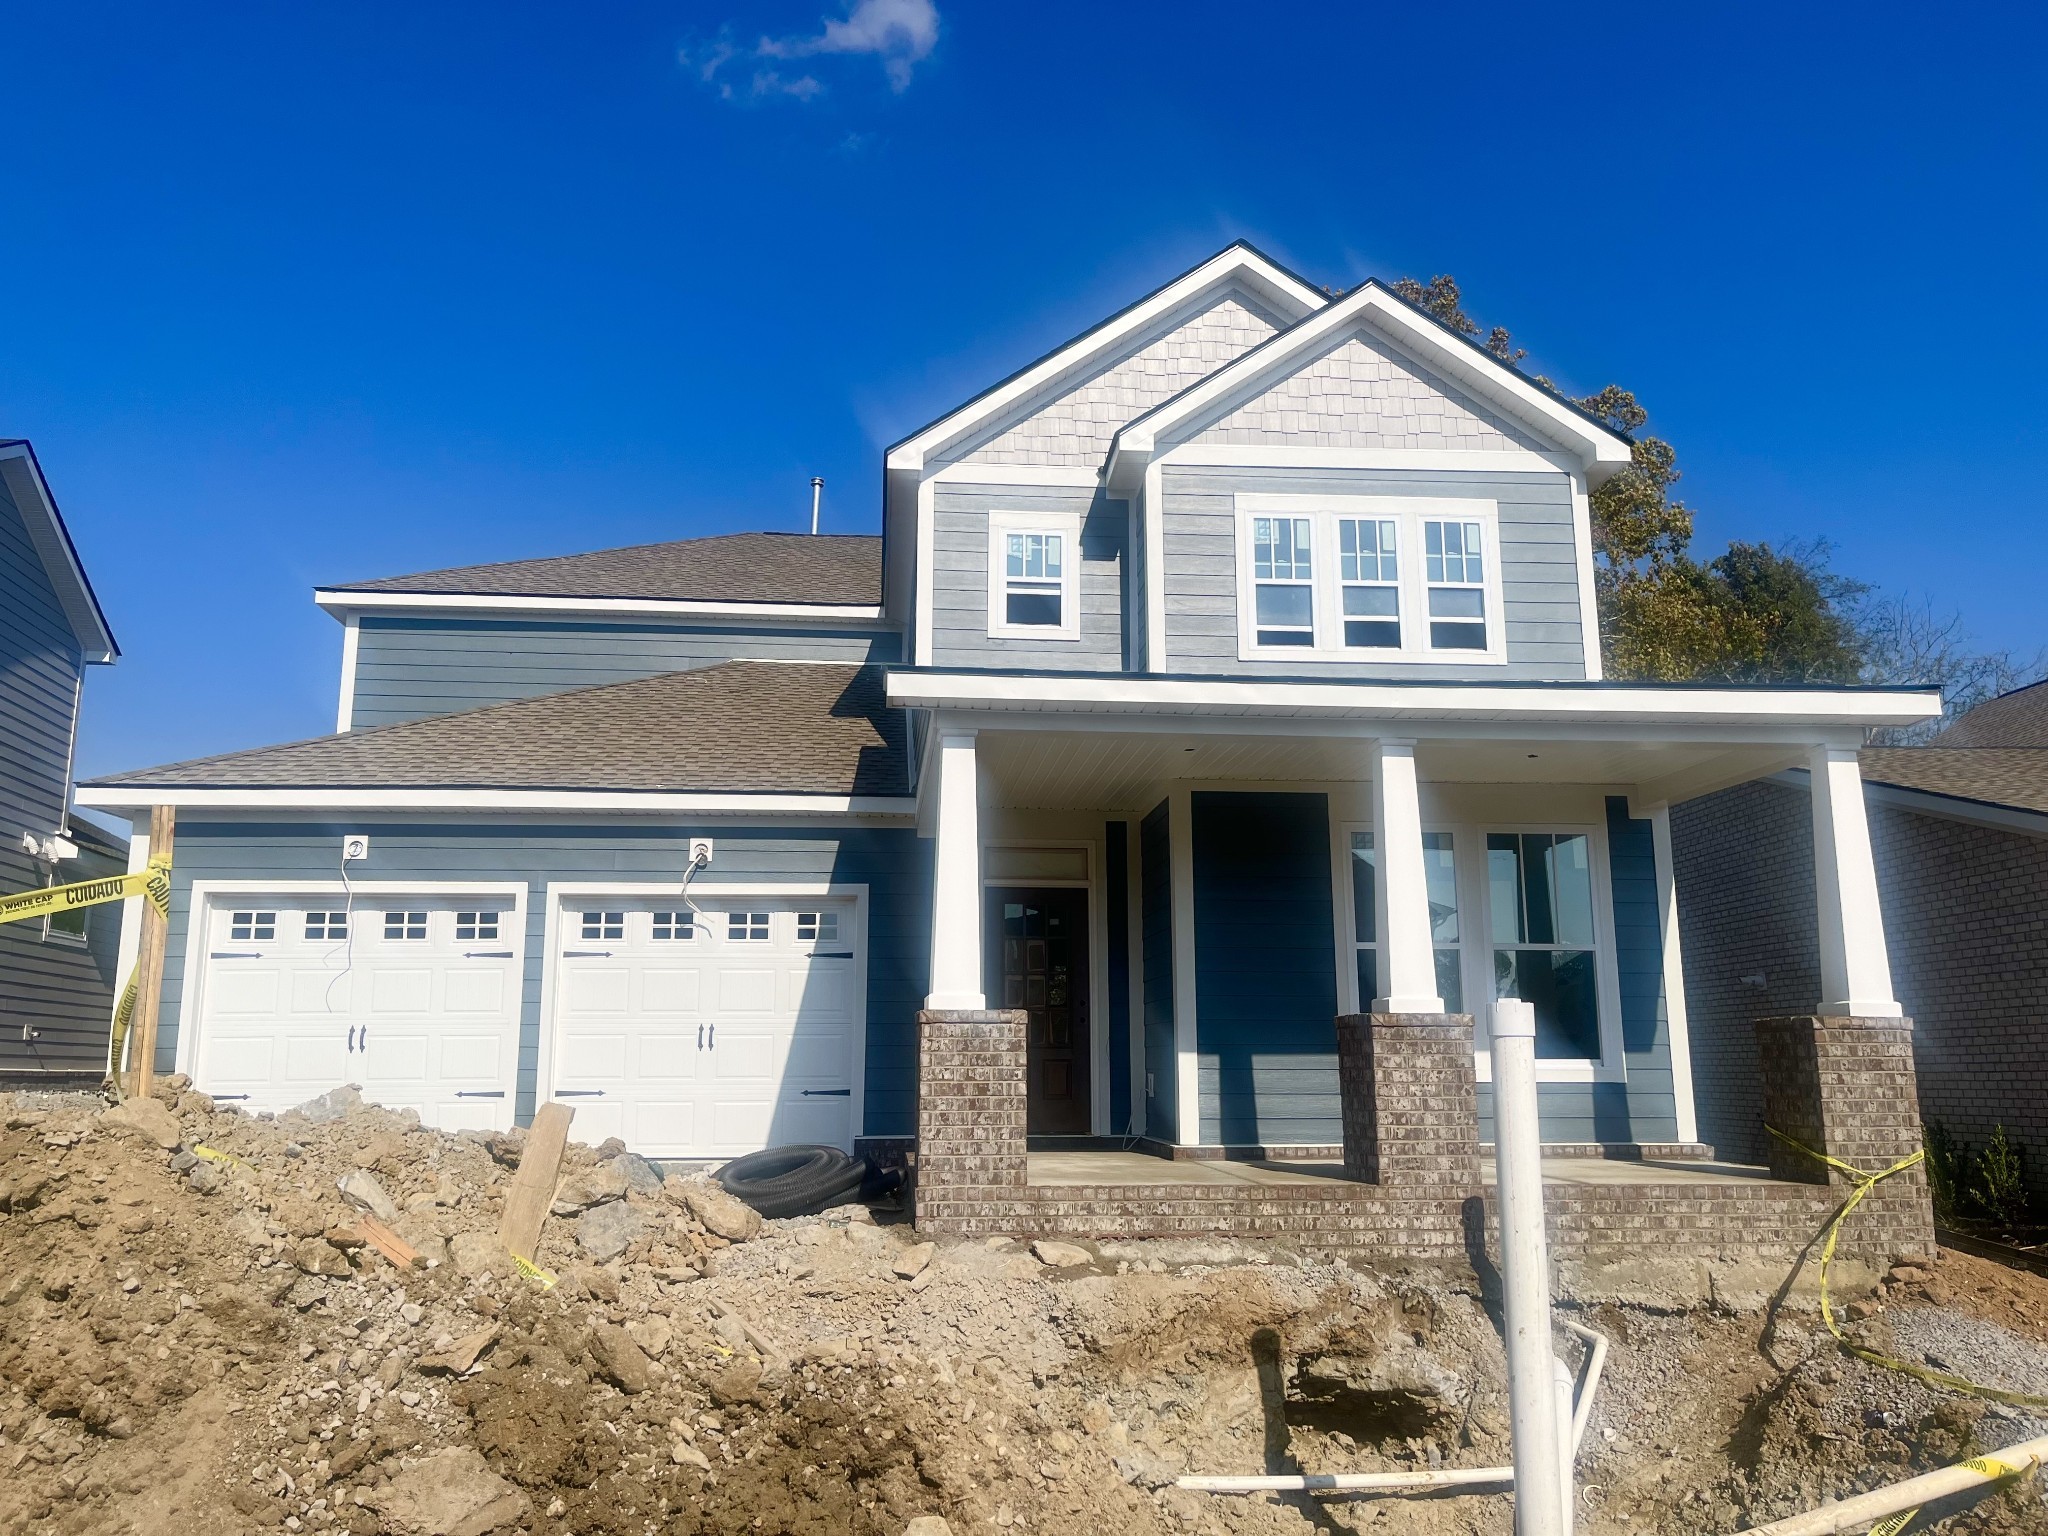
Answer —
1455 569
1034 576
1283 581
1369 564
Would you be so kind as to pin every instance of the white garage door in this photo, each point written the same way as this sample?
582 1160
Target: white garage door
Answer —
416 999
709 1036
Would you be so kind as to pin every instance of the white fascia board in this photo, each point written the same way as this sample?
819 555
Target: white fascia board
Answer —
1065 476
1450 702
52 541
530 801
1601 453
342 604
1292 456
1238 261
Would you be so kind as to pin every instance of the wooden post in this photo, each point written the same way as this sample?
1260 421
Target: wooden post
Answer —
533 1184
149 964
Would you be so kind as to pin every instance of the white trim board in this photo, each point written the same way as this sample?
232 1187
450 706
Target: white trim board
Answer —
351 648
1515 460
555 892
538 801
343 603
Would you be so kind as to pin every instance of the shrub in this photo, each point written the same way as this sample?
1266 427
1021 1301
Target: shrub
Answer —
1999 1183
1948 1165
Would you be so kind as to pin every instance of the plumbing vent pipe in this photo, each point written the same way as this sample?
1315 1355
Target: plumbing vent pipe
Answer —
817 491
1542 1484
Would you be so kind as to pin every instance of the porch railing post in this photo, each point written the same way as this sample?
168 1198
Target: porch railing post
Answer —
1407 955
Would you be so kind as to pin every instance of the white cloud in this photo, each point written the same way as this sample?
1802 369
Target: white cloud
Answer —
900 33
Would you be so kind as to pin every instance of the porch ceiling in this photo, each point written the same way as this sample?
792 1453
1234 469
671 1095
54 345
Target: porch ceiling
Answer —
1095 769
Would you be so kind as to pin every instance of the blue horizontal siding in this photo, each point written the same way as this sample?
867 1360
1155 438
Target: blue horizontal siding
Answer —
892 862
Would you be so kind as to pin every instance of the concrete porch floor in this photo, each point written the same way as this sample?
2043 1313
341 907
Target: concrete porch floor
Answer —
1057 1169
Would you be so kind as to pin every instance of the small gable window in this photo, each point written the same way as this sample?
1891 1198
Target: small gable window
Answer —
1034 576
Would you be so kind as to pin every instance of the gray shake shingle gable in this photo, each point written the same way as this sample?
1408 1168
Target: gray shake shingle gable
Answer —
743 727
829 568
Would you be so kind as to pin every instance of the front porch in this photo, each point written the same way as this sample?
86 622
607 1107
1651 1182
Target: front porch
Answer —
1263 945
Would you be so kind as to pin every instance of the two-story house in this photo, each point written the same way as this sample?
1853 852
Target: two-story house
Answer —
1231 668
56 971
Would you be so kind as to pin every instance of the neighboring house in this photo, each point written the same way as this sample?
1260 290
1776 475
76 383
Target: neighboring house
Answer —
56 973
1959 830
1250 614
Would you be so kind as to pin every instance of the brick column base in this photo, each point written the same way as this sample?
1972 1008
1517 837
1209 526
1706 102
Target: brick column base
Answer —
970 1111
1411 1112
1845 1087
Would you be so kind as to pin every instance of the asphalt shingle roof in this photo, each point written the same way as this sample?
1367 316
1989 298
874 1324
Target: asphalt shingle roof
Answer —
2015 776
2016 719
742 727
835 568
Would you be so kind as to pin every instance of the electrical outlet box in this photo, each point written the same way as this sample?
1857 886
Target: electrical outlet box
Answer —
355 847
700 850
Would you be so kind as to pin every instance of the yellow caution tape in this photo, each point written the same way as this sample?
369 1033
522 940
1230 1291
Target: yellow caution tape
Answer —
153 882
1986 1466
531 1270
213 1155
1865 1183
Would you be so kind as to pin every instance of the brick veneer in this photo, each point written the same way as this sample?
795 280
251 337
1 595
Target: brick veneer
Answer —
1844 1087
1410 1108
970 1112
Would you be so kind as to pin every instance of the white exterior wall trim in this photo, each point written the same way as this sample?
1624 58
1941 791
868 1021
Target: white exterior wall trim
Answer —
1676 1025
343 603
571 802
351 648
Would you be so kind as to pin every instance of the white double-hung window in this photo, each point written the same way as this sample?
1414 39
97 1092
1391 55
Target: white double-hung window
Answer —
1034 570
1368 579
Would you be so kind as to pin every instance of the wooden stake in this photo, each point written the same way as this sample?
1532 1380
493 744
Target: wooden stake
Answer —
533 1186
149 964
388 1242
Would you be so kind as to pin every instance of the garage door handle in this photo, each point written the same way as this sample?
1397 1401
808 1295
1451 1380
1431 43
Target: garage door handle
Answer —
351 1037
235 954
586 954
579 1093
831 954
217 1097
828 1093
479 1093
487 954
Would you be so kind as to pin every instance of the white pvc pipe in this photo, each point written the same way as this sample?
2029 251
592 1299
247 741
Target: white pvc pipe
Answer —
1352 1482
1596 1362
1854 1514
1540 1490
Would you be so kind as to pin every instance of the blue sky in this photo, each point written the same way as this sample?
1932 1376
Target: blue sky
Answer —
323 292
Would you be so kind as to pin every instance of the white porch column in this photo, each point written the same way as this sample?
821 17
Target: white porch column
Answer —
1407 958
1855 971
956 885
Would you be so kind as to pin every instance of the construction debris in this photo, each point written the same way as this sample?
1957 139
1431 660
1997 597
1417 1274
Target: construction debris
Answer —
338 1338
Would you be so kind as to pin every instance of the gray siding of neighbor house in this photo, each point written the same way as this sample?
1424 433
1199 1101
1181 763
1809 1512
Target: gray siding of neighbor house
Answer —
1155 917
960 561
54 989
1966 925
409 668
1538 564
892 862
1266 987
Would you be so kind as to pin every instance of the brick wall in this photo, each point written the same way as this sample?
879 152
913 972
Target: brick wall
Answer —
970 1112
1966 923
1410 1109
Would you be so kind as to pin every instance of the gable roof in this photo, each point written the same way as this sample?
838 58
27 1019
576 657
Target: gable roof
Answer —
742 727
1289 293
2015 719
1602 450
839 569
52 540
2008 776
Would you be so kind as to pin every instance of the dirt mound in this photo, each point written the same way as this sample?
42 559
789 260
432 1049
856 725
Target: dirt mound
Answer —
198 1333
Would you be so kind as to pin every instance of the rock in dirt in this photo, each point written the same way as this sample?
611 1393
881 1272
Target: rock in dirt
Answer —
145 1118
360 1188
588 1187
620 1359
723 1215
606 1231
684 1454
478 1253
205 1178
652 1334
450 1493
1060 1255
317 1257
331 1105
910 1263
463 1353
928 1525
641 1176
